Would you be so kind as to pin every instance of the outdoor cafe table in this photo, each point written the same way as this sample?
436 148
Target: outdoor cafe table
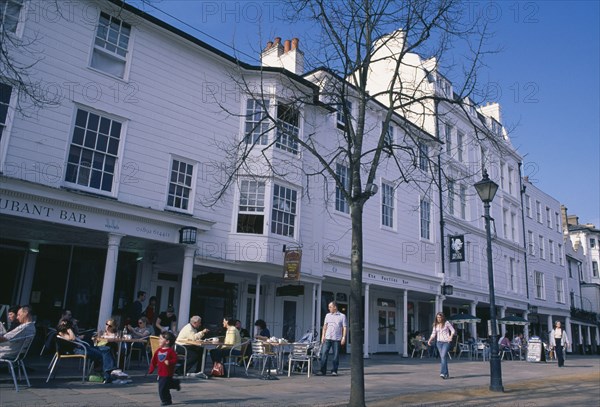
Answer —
206 346
120 341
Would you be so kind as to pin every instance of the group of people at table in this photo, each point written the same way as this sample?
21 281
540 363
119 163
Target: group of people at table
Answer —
103 348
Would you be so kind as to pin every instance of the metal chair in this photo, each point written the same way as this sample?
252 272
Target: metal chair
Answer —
418 346
142 349
22 346
65 349
481 349
464 348
301 353
260 354
232 360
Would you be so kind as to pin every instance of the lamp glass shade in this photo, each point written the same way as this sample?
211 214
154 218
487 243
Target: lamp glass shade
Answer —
187 235
486 188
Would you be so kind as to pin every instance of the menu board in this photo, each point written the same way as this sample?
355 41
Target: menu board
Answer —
534 350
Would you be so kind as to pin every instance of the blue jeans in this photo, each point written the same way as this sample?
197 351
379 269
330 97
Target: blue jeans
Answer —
101 354
330 344
443 348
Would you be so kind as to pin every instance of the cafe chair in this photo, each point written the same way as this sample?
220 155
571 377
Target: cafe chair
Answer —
418 347
141 348
464 348
233 360
62 353
262 355
22 346
181 357
301 353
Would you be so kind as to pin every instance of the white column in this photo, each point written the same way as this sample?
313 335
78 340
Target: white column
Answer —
473 327
29 273
313 308
589 336
502 315
366 322
526 327
257 298
569 334
439 302
405 322
318 313
186 286
550 324
110 273
597 336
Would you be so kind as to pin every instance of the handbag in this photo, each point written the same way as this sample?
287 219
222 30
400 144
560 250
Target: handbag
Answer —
217 370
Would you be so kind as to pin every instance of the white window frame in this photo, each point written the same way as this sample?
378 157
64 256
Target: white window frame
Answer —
451 194
18 27
107 54
340 117
460 139
502 178
557 221
287 132
388 207
448 138
551 250
463 201
538 211
254 193
505 223
560 290
425 218
530 243
284 210
423 156
257 125
343 173
541 247
548 218
540 286
512 276
561 255
513 227
594 268
528 206
510 176
183 185
6 125
82 144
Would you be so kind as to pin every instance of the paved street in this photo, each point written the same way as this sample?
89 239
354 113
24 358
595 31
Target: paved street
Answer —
390 380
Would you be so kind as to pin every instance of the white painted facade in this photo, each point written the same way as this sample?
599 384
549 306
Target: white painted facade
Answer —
180 101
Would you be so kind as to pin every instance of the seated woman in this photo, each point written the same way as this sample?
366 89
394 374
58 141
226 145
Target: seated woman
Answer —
101 355
111 332
141 331
232 338
263 333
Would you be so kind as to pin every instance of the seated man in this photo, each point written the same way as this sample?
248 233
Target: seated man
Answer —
9 342
191 332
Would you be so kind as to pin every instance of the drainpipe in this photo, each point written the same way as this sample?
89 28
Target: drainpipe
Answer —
522 189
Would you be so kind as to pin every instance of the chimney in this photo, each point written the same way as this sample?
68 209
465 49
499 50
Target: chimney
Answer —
287 56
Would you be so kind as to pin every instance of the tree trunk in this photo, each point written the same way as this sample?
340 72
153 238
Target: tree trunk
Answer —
357 378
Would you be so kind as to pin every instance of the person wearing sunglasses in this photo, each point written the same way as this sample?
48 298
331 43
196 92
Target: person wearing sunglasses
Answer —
141 330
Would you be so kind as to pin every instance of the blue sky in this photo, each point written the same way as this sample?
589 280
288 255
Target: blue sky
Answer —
546 77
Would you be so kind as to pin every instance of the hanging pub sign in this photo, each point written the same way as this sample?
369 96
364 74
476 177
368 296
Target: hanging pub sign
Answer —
291 264
457 248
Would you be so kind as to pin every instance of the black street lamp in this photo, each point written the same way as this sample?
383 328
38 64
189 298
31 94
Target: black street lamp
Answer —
486 189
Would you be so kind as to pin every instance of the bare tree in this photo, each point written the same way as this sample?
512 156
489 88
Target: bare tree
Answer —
356 38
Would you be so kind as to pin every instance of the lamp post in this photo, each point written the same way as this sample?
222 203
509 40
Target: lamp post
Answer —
486 189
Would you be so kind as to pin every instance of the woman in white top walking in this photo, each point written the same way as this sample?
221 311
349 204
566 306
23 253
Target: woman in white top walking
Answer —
443 332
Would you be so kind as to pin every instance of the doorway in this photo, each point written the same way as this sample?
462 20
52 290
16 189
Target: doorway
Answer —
386 328
166 290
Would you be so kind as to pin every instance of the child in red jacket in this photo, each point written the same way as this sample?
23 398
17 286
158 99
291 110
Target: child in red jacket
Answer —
166 359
